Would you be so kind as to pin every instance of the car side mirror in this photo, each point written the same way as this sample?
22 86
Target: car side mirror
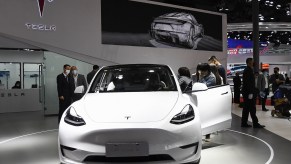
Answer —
79 89
199 87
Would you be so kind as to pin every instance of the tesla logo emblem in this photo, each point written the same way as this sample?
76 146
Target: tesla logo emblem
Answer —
127 117
41 4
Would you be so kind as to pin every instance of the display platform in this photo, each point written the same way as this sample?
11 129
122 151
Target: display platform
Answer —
25 139
230 146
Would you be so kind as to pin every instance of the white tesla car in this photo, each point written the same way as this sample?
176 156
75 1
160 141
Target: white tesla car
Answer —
138 114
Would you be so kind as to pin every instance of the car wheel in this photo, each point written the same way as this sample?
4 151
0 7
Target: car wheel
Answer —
191 40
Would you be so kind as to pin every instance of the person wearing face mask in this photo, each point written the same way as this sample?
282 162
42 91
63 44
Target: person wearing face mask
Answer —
64 88
276 79
77 80
249 96
205 75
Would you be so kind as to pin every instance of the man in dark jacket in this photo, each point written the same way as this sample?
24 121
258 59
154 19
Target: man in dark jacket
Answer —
92 73
249 91
64 90
236 88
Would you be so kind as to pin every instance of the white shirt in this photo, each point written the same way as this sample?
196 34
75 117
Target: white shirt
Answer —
75 79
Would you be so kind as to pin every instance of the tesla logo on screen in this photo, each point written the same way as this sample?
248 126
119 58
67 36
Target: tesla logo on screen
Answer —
127 117
41 4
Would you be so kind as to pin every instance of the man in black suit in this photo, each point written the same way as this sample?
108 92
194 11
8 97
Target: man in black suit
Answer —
64 90
249 96
92 73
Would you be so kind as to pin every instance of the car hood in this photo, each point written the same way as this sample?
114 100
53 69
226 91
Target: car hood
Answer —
129 107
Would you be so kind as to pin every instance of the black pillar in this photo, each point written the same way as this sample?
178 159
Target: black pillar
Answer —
256 48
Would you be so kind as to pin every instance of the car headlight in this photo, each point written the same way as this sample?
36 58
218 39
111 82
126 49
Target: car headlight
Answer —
73 118
186 115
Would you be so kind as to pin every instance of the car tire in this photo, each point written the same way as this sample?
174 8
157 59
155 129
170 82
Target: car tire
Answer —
191 41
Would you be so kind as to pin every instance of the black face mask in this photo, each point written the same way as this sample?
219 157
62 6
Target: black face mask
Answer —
275 72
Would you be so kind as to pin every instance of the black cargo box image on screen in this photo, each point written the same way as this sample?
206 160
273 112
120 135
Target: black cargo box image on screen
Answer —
132 23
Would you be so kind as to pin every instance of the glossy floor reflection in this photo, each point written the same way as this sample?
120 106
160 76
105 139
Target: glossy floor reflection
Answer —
31 138
41 148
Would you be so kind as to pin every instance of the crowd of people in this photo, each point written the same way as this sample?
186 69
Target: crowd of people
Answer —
211 74
256 85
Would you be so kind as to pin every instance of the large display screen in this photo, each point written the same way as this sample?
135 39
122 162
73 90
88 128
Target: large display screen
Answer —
132 23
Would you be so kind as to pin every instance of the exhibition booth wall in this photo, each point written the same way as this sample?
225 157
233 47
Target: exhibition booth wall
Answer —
74 29
36 71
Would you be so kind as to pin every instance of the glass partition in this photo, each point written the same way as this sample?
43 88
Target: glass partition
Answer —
10 76
31 75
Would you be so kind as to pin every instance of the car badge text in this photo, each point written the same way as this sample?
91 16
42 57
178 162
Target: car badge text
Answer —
127 117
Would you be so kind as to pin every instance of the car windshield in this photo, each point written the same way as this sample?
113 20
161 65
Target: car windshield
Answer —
134 78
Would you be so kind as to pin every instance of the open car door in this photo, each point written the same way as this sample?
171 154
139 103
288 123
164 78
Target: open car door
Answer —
214 105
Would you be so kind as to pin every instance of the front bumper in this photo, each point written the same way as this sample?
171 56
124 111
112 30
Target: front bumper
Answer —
180 144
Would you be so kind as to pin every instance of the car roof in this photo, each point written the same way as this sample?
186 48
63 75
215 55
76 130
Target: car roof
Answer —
180 15
135 65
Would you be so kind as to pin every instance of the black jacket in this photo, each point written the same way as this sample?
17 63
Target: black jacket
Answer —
64 86
90 76
248 81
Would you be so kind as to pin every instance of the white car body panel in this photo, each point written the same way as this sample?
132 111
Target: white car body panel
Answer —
135 117
214 105
141 104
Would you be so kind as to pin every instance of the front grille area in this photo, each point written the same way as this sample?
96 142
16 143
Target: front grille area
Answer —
150 158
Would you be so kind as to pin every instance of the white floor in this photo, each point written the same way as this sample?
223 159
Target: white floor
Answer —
279 126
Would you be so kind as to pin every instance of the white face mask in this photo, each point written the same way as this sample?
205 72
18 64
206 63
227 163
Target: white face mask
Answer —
67 71
75 72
